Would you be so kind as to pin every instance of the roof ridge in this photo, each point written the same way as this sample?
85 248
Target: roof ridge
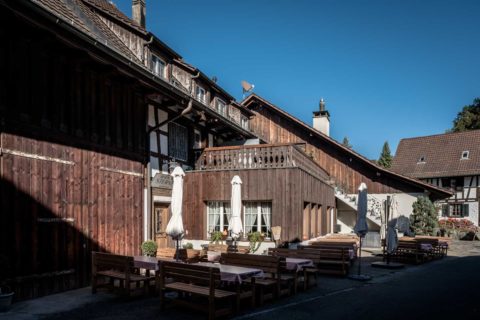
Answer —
443 134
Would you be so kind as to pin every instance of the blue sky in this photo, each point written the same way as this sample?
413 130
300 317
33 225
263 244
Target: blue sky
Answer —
387 69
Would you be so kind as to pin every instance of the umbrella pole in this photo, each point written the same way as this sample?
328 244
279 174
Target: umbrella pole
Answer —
176 252
360 257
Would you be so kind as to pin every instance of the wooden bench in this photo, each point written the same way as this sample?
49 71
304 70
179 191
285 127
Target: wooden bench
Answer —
331 260
273 267
114 267
349 244
195 280
307 272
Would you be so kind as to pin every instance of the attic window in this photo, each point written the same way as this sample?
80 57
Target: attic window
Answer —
422 159
465 155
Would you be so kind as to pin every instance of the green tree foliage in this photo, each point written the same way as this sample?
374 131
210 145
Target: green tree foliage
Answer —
346 143
468 118
424 218
385 159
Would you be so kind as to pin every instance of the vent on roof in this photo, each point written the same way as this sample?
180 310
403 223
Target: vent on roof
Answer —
465 155
421 159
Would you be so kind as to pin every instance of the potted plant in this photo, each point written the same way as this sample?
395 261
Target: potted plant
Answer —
6 294
255 238
149 248
217 237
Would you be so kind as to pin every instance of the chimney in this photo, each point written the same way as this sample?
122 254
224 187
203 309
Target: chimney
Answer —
139 12
321 119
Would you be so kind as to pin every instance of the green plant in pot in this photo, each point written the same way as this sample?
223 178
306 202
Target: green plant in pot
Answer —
6 294
188 245
255 238
149 248
216 237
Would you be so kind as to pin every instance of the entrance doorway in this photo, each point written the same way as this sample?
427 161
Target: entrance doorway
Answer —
159 223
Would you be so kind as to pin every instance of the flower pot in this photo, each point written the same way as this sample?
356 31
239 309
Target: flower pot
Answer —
6 301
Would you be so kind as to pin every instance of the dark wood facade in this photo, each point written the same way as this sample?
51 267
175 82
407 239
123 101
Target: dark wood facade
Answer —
346 168
280 174
71 159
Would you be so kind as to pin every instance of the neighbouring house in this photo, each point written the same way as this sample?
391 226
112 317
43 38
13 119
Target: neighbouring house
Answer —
450 161
93 111
345 167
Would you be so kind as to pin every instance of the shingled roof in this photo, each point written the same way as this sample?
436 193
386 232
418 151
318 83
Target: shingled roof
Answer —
439 155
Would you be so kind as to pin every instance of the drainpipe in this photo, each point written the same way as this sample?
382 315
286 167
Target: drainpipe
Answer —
145 45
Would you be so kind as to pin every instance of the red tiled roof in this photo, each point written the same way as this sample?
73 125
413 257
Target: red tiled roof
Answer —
442 155
346 150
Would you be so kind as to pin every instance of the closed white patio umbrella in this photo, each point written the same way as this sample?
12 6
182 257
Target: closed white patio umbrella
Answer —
235 224
361 227
175 225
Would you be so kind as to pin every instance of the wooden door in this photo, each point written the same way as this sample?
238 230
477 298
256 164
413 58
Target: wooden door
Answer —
160 221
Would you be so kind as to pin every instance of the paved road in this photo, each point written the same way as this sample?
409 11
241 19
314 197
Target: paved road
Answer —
448 289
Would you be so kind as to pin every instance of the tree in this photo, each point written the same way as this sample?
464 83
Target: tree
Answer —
424 218
468 118
346 143
385 159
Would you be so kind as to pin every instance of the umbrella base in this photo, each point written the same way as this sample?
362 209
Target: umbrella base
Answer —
360 277
385 265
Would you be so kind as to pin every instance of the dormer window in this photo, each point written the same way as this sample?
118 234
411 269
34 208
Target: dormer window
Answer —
421 159
200 94
465 155
221 107
159 67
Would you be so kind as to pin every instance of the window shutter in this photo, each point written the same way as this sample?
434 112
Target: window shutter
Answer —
465 210
445 210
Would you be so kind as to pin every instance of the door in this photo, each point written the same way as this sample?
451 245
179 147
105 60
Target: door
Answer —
160 221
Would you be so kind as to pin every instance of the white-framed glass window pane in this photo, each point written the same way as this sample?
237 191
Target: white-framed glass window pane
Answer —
158 66
258 217
200 94
218 216
244 122
266 218
221 107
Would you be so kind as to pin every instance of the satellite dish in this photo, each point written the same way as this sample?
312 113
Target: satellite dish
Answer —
247 87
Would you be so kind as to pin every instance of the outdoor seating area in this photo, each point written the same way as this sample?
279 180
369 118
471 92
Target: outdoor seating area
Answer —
419 249
237 280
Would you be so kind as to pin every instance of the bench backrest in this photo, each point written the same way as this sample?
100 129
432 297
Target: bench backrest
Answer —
189 273
268 264
313 255
109 261
327 252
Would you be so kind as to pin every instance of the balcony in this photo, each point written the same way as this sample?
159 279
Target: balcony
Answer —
268 156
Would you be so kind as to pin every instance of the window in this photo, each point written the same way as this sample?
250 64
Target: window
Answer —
221 107
218 214
421 159
257 217
465 155
197 139
455 210
244 122
200 94
159 67
177 141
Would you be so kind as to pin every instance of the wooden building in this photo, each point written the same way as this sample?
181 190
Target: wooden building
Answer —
90 120
346 168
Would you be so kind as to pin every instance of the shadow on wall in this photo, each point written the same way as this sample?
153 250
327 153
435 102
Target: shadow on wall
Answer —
47 253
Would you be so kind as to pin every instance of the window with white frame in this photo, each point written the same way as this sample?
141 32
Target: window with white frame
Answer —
177 141
258 217
200 94
159 67
465 155
221 107
218 216
244 122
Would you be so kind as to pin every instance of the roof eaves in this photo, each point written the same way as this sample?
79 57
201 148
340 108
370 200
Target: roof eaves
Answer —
338 145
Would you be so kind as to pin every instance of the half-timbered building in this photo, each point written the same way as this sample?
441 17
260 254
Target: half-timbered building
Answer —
450 161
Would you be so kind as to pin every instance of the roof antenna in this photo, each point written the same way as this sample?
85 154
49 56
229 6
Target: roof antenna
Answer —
247 87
